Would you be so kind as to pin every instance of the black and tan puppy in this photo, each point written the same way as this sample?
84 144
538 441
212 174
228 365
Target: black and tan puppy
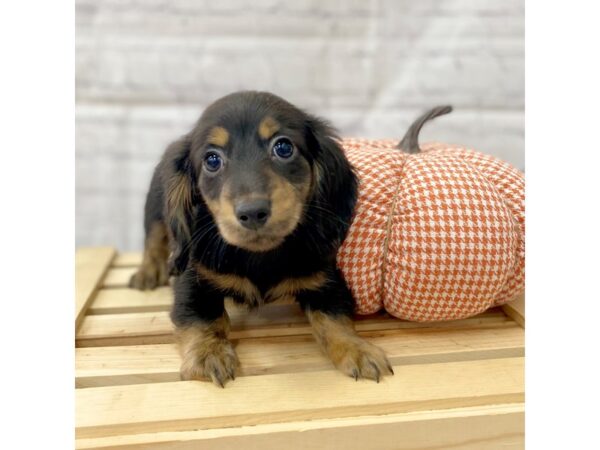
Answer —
253 204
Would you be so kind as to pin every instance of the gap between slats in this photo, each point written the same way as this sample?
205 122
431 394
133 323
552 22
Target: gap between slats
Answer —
270 320
91 267
104 366
188 405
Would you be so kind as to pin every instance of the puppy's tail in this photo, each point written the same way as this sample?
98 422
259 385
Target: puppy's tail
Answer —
410 141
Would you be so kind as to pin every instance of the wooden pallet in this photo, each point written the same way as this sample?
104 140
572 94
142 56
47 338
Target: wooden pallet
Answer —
457 384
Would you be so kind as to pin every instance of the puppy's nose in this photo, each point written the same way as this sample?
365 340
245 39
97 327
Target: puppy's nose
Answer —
253 214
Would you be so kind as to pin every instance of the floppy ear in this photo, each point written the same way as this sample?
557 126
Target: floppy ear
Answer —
335 186
180 200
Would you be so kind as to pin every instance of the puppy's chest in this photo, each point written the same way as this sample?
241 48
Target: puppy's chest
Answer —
257 290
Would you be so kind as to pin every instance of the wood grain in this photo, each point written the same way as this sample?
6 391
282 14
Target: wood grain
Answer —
180 406
105 366
91 265
516 309
126 300
271 320
458 384
490 427
118 277
128 259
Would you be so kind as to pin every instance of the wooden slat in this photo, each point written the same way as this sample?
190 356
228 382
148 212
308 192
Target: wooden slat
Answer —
157 407
125 300
118 277
105 366
496 427
156 327
271 320
128 259
91 265
516 309
287 391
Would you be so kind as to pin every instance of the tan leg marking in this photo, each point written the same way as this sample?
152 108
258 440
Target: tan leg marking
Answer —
349 353
206 353
153 271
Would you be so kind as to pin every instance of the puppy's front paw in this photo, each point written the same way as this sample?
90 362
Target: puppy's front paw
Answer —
216 361
359 359
149 276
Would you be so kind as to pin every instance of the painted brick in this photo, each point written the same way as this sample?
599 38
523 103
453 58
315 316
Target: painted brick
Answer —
145 69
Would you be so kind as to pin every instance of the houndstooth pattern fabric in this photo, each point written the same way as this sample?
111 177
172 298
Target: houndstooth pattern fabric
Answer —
435 236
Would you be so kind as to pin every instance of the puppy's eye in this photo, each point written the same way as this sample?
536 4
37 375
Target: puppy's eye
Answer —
212 161
283 148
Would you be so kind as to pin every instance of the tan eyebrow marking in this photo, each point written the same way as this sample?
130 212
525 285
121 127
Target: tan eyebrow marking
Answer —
218 136
268 127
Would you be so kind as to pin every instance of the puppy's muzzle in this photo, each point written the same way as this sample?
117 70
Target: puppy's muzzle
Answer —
253 214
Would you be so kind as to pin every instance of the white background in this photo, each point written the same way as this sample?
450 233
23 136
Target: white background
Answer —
146 69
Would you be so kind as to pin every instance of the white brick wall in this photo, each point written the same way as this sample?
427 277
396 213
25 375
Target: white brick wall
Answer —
146 69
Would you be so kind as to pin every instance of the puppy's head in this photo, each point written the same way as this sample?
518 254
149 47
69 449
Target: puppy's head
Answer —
262 167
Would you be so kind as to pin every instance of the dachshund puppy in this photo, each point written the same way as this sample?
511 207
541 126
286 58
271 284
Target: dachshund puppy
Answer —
253 204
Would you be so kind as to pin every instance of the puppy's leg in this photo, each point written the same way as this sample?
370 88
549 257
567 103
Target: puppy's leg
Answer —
201 329
329 311
349 353
153 272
